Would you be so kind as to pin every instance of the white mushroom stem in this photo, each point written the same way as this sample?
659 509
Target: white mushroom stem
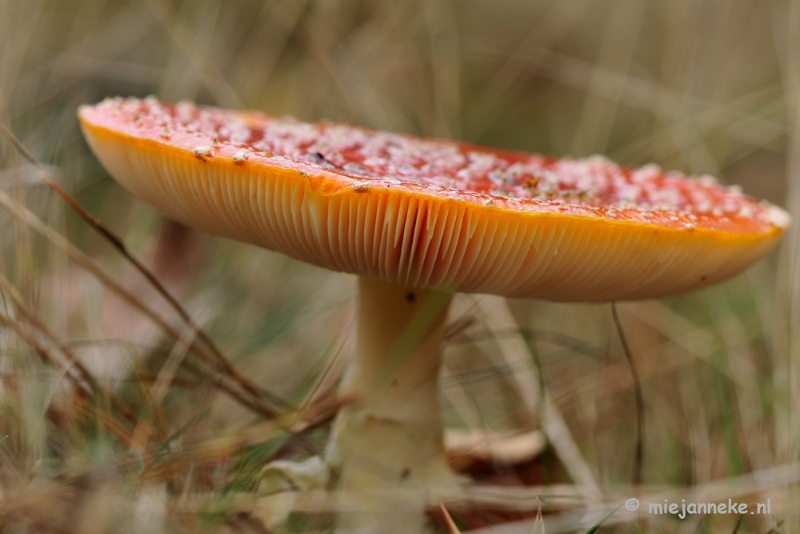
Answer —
388 435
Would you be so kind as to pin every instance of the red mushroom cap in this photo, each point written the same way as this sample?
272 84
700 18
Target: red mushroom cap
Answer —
432 213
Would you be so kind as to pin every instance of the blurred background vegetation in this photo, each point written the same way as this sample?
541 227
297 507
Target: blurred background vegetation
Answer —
112 422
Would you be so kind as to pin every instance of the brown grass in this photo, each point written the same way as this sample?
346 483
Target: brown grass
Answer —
117 415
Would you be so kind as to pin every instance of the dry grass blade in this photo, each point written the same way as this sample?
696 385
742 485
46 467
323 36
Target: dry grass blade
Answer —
516 355
118 244
636 478
183 36
156 393
621 35
787 39
30 338
110 421
234 440
561 499
515 498
782 476
555 21
685 130
86 380
84 261
449 520
539 519
738 524
312 39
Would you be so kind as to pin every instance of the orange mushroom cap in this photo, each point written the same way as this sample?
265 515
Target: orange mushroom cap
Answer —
432 213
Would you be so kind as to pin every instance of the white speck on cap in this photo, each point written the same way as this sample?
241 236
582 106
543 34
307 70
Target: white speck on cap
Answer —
746 212
778 217
361 185
239 156
202 150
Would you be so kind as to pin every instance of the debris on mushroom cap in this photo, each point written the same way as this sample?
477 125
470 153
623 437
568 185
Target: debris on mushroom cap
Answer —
533 196
202 150
239 156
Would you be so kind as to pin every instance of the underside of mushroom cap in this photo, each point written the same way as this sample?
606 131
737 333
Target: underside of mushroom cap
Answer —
431 213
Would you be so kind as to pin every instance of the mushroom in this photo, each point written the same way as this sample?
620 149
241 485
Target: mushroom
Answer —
419 220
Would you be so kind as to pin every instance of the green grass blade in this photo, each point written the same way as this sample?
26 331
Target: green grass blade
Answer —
602 520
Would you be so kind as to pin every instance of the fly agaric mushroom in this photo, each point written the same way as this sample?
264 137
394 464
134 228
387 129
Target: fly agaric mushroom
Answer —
418 220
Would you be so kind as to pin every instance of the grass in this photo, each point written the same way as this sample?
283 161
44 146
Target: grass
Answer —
153 432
